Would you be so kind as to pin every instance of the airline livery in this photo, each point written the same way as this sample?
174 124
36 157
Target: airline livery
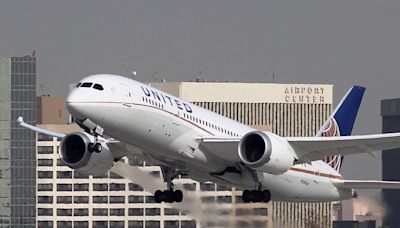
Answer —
122 117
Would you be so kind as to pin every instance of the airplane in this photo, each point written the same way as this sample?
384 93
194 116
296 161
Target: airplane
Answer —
122 117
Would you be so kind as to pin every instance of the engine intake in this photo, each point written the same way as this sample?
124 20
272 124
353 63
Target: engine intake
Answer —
75 154
266 152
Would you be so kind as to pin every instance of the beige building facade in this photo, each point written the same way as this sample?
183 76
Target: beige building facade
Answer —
51 110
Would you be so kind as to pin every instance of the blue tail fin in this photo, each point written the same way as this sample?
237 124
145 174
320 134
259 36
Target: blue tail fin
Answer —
341 122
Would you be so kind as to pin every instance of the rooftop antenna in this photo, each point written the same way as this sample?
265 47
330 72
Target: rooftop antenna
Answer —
272 75
133 74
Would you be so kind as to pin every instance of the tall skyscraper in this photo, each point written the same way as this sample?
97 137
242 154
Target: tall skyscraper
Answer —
390 111
17 146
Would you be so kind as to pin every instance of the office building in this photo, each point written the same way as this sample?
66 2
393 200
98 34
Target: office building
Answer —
390 111
51 110
17 148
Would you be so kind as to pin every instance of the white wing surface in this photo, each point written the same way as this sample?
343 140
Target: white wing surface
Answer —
367 184
309 149
317 148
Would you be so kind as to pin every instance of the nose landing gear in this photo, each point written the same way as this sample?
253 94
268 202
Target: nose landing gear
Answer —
95 147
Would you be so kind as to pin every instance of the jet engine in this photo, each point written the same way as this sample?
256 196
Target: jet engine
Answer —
266 152
75 152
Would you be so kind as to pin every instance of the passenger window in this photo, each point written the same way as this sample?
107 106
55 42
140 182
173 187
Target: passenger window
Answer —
97 86
87 84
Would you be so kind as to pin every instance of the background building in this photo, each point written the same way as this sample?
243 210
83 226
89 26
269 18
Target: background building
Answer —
390 111
17 148
51 110
68 199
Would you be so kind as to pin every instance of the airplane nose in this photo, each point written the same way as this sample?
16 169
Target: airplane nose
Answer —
75 96
72 102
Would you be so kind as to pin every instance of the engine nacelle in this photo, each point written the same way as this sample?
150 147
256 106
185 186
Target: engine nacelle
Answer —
266 152
75 154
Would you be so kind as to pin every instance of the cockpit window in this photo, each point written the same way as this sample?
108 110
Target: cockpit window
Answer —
87 84
77 85
97 86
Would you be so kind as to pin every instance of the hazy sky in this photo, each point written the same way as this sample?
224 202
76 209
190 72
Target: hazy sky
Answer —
340 42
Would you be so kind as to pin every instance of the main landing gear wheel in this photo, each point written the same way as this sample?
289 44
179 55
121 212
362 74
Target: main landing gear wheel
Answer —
168 196
95 147
256 196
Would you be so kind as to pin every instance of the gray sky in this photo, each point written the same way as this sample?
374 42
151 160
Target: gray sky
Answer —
338 42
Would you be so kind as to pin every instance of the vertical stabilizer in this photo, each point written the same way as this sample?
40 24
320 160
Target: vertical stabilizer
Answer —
341 122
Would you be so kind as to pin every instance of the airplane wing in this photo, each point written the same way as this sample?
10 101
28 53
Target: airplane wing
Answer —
367 184
222 147
309 149
22 123
317 148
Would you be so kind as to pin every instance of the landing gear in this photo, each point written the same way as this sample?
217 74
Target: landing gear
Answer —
256 196
169 195
95 147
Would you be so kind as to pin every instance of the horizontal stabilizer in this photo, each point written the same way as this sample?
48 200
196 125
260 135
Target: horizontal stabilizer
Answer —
367 184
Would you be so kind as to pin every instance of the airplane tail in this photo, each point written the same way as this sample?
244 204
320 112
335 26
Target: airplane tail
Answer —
341 122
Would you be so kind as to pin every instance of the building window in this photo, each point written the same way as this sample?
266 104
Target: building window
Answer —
64 174
45 199
117 212
117 187
100 187
224 199
81 212
188 224
207 186
64 187
100 199
117 199
64 224
135 199
45 174
171 211
81 199
81 224
152 211
45 162
152 224
190 187
45 150
45 211
100 224
45 187
81 187
100 212
136 224
64 212
47 224
135 211
64 199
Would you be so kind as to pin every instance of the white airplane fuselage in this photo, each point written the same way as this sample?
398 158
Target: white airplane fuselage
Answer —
165 127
